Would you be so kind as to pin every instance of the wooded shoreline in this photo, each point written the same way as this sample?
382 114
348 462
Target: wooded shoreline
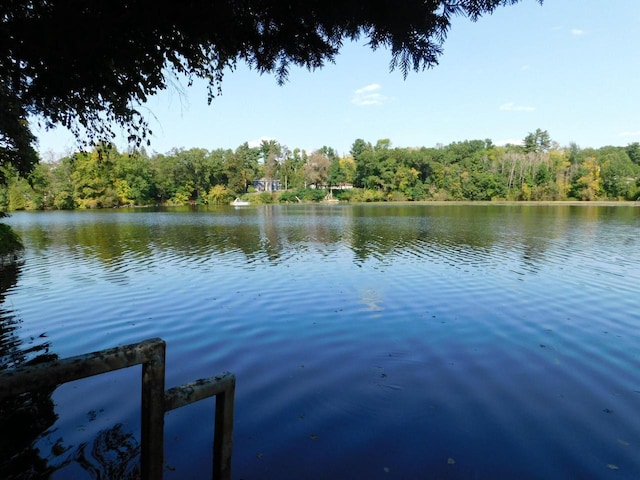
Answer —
472 170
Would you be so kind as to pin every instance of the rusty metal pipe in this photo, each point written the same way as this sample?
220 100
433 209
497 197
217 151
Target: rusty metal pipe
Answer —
223 387
177 397
47 375
152 422
223 437
155 401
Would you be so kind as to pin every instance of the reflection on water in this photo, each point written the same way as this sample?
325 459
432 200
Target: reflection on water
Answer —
271 233
113 454
27 417
12 351
22 421
369 341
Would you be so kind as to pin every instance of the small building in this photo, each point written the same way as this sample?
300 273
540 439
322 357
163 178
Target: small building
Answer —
266 185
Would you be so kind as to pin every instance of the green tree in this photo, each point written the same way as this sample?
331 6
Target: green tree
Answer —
216 165
619 174
61 186
241 167
187 174
543 175
162 169
347 169
292 169
133 179
19 193
375 166
273 156
316 170
93 179
358 147
336 175
406 180
538 141
633 150
361 152
588 182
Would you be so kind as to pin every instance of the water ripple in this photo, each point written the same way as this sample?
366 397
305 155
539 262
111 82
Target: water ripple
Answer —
390 338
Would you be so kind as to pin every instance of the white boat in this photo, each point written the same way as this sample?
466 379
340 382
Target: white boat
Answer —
240 203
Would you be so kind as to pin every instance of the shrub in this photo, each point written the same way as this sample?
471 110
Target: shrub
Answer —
288 196
373 196
304 194
219 195
344 195
398 197
314 194
265 198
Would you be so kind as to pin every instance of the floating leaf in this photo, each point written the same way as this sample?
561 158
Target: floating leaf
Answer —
623 442
313 436
611 466
451 461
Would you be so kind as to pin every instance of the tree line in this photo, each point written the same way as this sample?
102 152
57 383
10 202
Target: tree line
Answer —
539 169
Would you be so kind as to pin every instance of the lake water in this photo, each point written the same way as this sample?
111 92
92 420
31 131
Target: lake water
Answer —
369 342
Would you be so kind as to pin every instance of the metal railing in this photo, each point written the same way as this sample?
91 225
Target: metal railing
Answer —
155 401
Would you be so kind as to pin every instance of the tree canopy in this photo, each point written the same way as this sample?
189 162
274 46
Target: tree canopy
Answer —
372 172
89 66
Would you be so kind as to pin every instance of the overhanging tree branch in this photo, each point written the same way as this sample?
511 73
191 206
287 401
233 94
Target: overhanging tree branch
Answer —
89 66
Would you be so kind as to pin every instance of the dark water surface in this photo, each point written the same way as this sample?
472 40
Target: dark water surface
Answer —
369 342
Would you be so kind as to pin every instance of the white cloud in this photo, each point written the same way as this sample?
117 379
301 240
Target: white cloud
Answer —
630 134
524 68
369 88
368 95
577 32
512 107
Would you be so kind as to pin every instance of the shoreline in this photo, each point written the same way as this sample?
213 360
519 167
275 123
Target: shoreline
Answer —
577 203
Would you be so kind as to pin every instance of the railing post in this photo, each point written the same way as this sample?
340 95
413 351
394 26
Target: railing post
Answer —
223 432
155 401
152 422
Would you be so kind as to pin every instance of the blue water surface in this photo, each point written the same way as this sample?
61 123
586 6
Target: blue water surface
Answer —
368 341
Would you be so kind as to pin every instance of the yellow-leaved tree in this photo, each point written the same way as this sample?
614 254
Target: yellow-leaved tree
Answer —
589 185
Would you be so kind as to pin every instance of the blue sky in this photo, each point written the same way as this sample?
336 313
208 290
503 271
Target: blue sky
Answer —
569 67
